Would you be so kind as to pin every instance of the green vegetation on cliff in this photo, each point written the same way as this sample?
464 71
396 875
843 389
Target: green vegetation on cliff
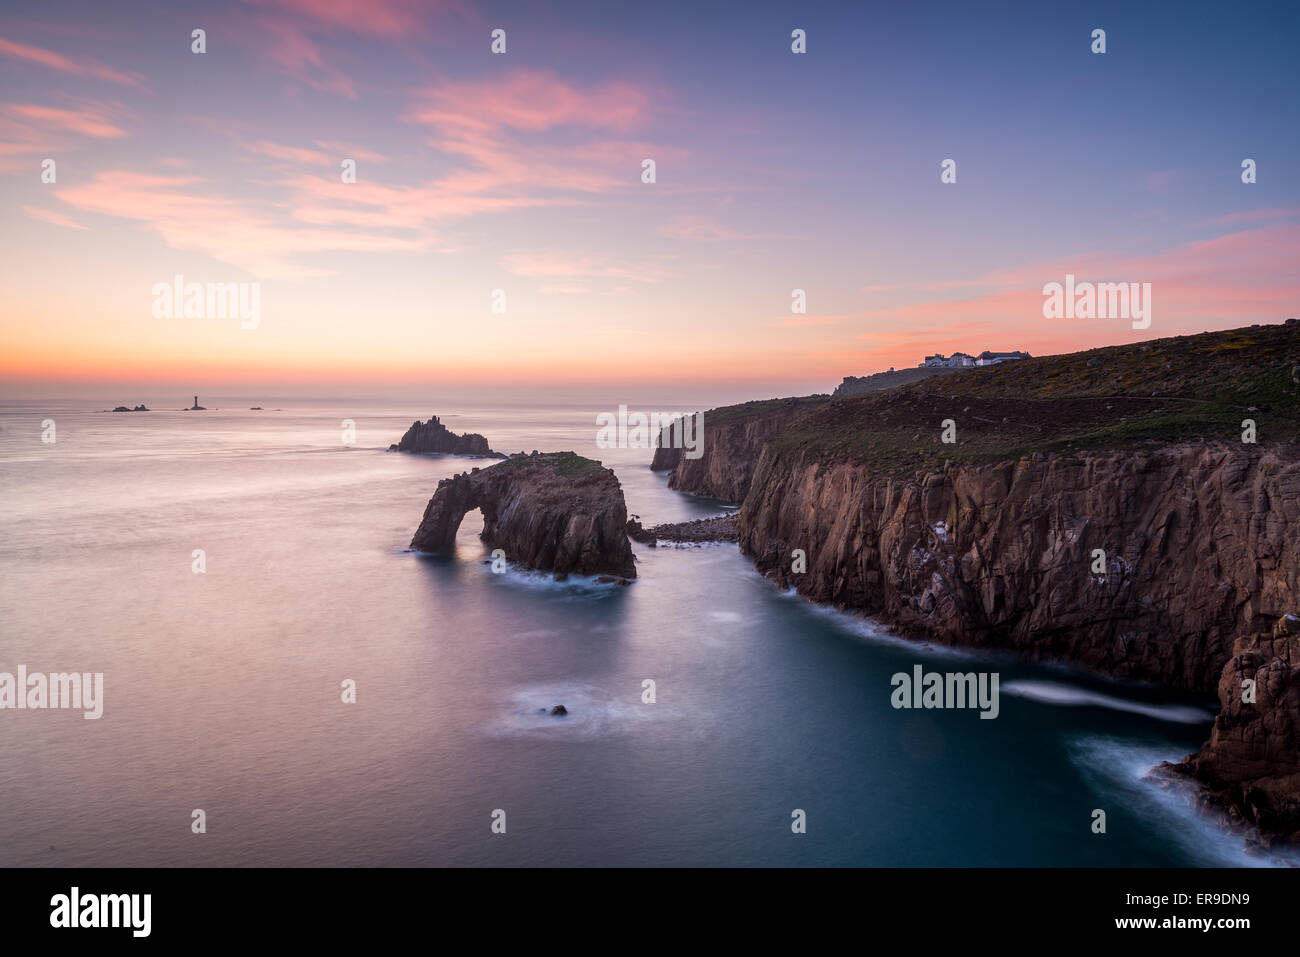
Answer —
1164 391
568 464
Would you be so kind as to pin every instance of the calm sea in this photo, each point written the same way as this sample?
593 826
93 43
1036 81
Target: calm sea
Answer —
222 690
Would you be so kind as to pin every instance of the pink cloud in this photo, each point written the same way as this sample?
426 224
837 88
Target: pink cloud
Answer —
51 217
496 126
563 289
297 55
184 217
292 153
531 100
82 66
695 228
560 265
1257 215
823 320
386 18
492 128
85 122
346 151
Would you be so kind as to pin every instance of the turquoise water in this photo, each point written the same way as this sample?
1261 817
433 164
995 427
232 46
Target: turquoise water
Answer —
222 689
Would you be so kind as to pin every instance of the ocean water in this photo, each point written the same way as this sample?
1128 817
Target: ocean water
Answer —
222 690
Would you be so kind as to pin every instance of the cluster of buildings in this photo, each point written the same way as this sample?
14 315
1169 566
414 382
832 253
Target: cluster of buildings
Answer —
960 359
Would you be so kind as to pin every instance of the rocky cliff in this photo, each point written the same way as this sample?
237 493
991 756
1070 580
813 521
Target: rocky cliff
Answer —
556 512
1134 510
1199 543
731 440
433 436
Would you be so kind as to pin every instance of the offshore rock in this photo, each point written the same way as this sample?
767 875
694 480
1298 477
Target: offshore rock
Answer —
555 512
433 436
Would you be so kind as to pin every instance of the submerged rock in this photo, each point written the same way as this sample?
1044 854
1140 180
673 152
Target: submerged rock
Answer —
557 512
433 436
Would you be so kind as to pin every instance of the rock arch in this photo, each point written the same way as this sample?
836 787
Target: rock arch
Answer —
557 512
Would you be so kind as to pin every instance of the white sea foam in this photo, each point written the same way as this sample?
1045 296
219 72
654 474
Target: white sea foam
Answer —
865 628
592 712
1072 696
1165 805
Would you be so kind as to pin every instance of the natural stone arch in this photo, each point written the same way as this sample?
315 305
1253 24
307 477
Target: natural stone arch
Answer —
557 512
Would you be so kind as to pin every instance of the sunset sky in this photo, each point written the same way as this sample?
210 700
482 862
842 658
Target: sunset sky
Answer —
522 172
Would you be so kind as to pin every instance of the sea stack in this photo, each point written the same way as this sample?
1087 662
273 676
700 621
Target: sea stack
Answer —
433 436
555 512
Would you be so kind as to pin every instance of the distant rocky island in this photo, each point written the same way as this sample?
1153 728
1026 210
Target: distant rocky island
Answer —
139 408
434 437
1131 510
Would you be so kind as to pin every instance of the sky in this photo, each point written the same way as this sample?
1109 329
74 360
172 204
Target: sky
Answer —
521 173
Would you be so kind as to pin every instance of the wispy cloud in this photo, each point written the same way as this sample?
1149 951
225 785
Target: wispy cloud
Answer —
85 121
294 154
495 128
702 229
51 217
383 18
82 66
559 265
179 210
294 52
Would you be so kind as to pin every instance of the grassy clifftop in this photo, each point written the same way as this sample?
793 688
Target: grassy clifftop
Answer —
1187 388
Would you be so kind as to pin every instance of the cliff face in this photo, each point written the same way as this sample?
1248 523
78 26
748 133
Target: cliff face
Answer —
433 436
731 440
1200 543
557 512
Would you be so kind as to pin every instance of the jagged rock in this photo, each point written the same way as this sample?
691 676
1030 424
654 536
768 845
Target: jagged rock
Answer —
560 710
1250 767
732 440
557 512
718 528
638 532
433 436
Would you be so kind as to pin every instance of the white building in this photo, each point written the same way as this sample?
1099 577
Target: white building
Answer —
955 361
